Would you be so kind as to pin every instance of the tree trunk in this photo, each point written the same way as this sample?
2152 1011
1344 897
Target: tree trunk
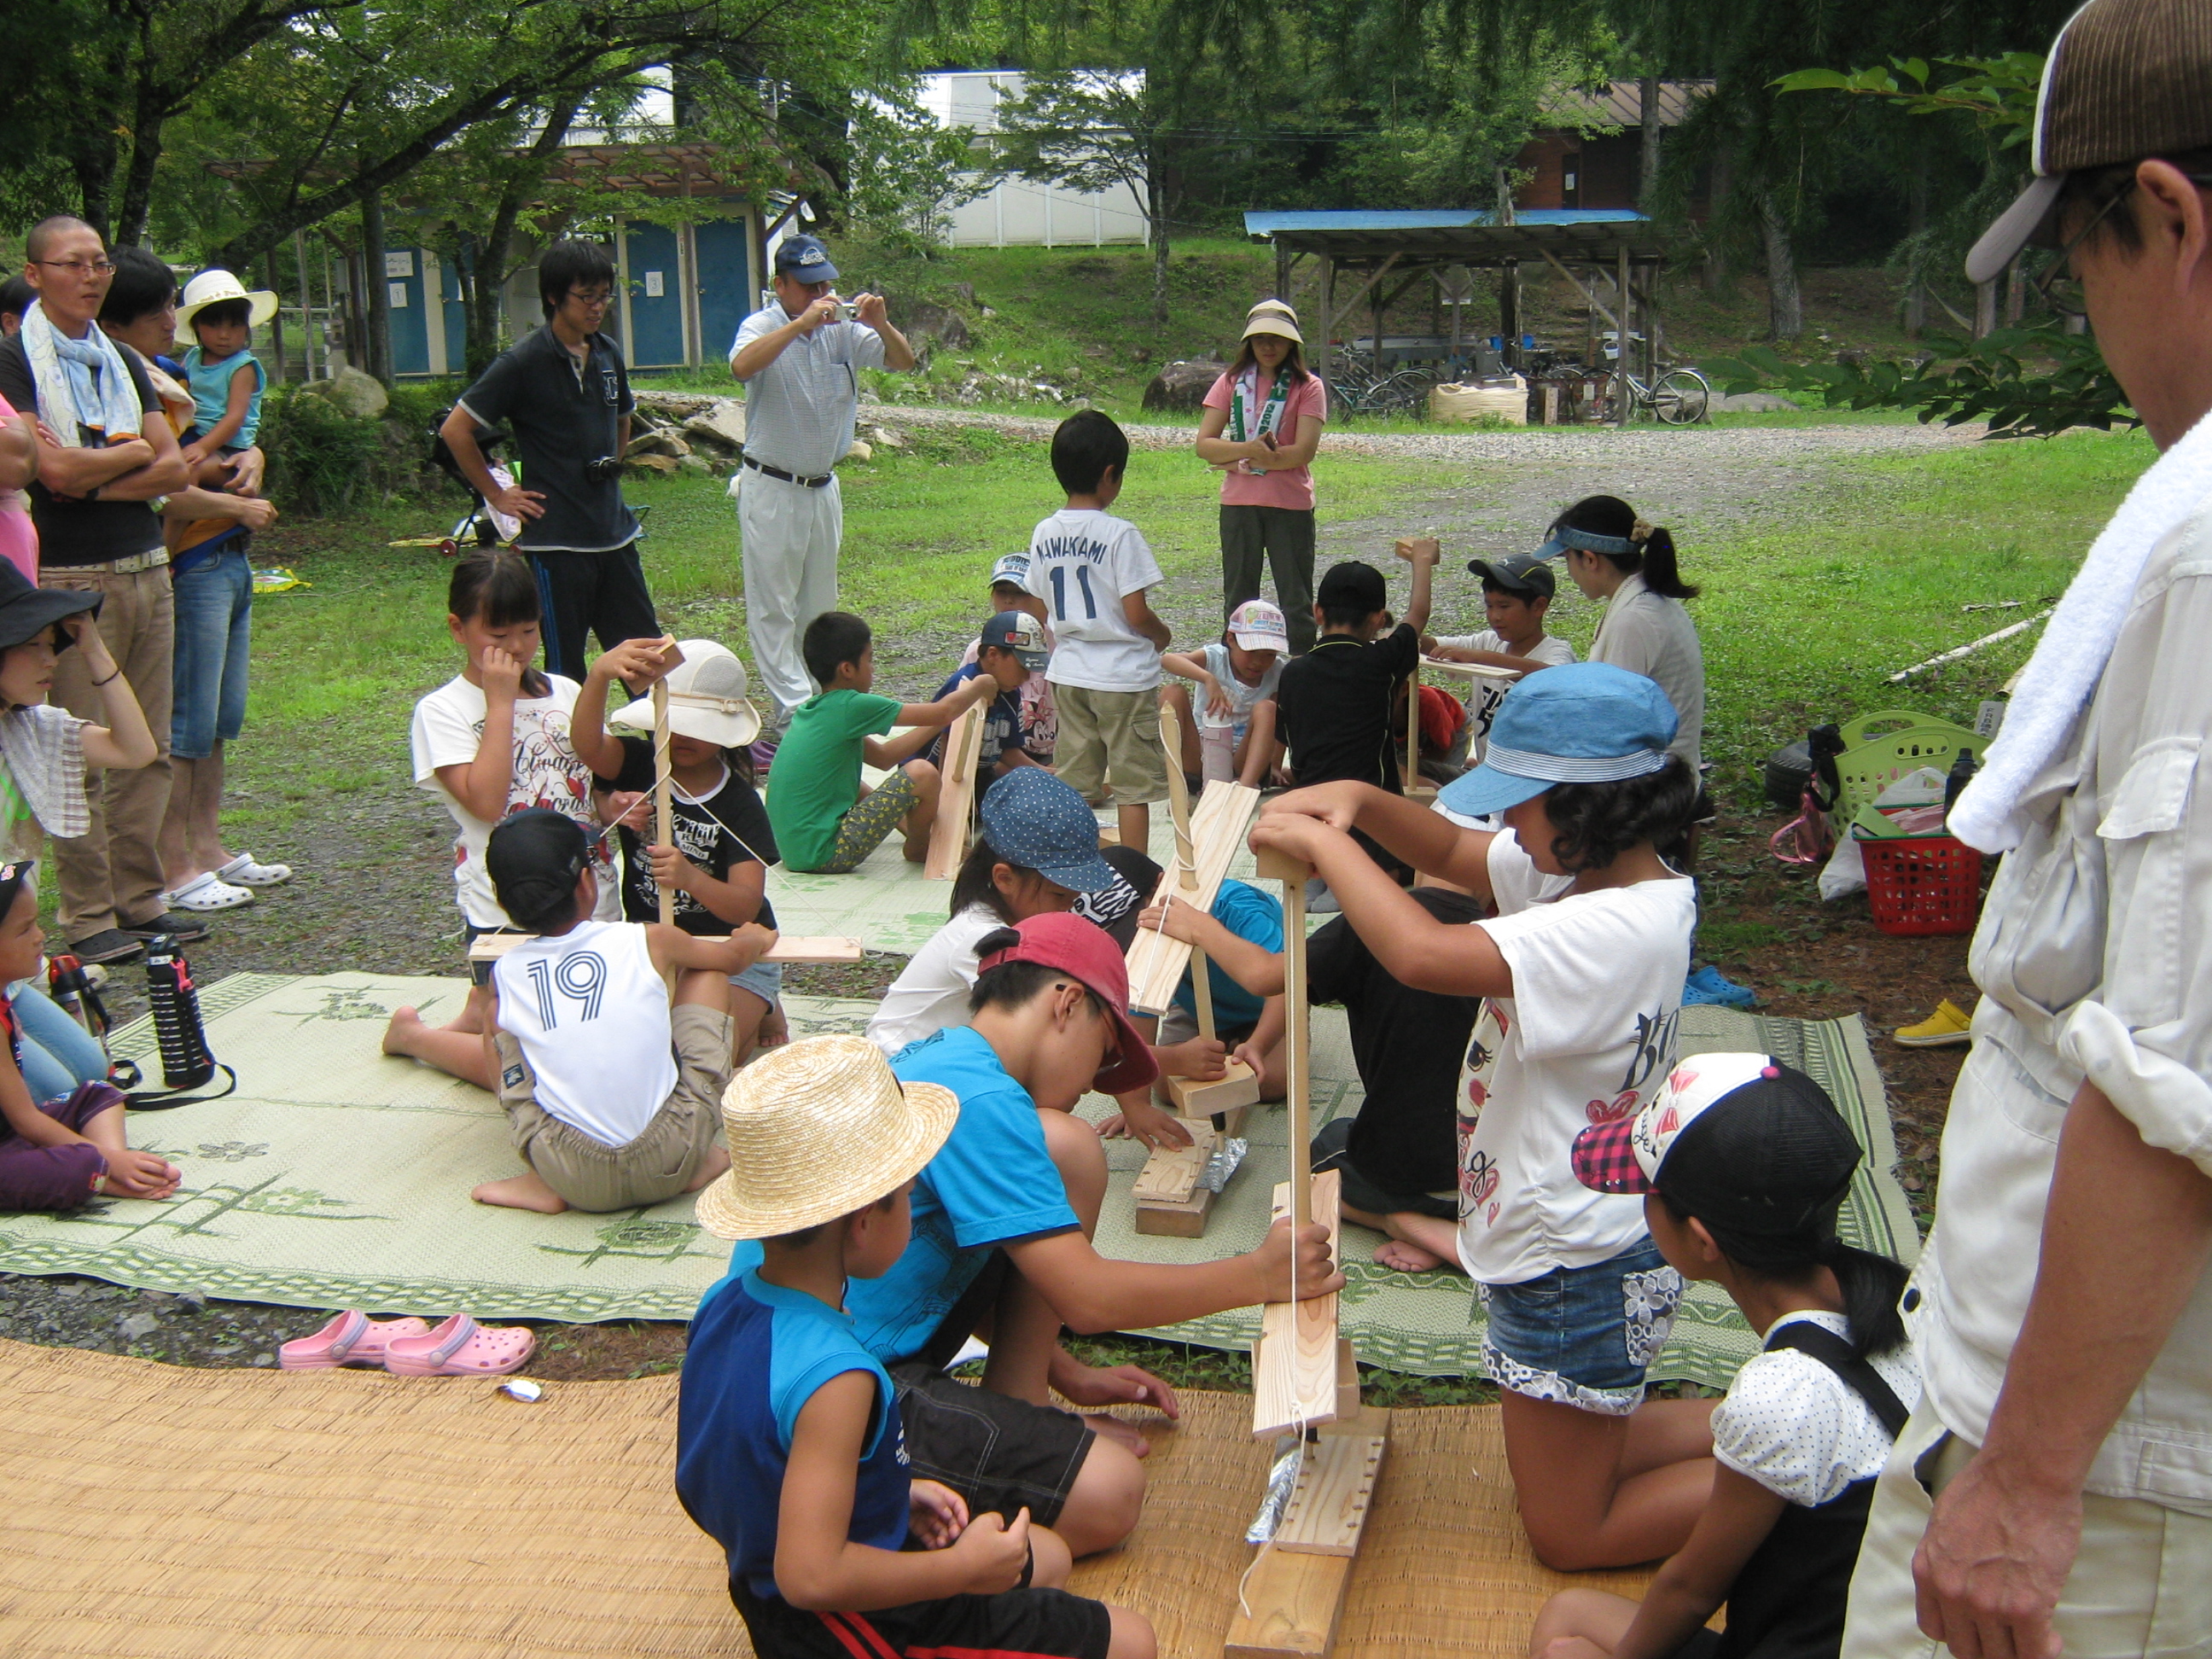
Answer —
487 276
1647 94
1715 275
379 308
1156 213
145 156
1785 304
1916 286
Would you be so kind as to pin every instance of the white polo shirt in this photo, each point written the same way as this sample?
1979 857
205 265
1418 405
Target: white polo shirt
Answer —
799 409
1651 634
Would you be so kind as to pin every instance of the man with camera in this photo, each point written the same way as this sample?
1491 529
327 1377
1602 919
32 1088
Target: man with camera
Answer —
800 359
564 394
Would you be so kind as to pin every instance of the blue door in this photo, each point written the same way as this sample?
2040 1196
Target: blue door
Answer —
656 297
457 324
724 251
402 276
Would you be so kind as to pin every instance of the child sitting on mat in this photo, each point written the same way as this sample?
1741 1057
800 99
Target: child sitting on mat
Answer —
826 820
790 1450
1743 1165
608 1083
493 741
59 1153
1229 736
717 867
1582 968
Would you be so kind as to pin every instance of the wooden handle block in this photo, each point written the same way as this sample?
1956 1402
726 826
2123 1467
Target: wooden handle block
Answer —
1294 1375
956 795
1238 1086
1275 866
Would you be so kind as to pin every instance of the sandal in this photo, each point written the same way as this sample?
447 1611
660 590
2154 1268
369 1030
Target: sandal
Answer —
460 1347
243 871
206 892
352 1337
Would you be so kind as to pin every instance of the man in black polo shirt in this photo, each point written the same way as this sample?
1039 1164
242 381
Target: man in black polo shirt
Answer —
564 394
106 452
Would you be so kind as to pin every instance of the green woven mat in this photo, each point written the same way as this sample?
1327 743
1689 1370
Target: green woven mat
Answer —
1429 1323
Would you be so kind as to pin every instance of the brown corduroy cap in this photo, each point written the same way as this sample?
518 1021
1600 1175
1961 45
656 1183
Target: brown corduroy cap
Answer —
2126 79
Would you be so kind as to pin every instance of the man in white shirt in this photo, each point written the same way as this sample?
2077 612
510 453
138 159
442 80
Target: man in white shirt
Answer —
800 359
2055 1487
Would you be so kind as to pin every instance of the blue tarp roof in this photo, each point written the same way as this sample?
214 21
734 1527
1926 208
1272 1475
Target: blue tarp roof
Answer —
1264 224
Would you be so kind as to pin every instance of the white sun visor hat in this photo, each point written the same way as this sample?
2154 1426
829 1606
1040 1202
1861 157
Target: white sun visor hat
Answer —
706 699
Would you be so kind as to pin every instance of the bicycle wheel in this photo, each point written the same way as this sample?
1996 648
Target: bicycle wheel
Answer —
1406 393
1681 398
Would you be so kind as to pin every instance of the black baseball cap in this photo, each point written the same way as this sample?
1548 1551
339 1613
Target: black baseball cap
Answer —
2126 80
534 858
1739 1140
805 259
1353 584
1523 573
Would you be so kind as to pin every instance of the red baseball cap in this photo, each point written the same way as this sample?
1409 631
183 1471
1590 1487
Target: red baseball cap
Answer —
1085 951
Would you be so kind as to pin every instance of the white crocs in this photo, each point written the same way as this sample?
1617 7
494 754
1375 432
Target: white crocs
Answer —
245 872
205 892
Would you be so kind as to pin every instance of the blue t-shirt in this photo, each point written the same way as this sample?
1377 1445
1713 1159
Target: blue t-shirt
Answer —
1250 914
1002 723
992 1182
757 1354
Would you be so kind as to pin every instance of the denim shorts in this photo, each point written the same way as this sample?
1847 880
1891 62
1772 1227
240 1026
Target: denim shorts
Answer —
763 979
214 604
1582 1336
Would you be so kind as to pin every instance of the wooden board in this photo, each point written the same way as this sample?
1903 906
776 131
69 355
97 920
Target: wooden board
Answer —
1171 1173
1217 828
789 949
1296 1601
1336 1485
1471 670
1294 1362
1236 1089
956 795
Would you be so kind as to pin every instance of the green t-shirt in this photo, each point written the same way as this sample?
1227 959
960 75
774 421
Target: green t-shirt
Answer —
816 776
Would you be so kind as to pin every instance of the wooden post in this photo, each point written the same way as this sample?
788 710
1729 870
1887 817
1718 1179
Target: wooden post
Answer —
1509 310
1328 358
663 831
1623 359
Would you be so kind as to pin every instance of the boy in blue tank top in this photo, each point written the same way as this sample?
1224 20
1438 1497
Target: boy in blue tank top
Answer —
789 1449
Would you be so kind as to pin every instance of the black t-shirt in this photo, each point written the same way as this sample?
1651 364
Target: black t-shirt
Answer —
82 532
718 834
1407 1045
1334 707
561 421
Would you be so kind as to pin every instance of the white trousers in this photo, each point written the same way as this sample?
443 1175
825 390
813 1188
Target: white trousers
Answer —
787 535
2141 1586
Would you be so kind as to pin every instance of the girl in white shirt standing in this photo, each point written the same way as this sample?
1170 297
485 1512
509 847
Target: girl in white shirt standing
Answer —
1744 1164
1582 971
1614 555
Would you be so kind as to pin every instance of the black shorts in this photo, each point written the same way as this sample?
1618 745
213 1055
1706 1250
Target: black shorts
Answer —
1049 1623
996 1452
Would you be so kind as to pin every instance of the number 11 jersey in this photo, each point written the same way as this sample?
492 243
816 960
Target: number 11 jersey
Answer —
591 1017
1083 562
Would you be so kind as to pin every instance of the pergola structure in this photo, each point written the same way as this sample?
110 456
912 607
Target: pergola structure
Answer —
1386 252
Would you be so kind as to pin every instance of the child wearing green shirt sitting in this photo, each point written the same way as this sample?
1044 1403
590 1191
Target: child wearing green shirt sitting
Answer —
826 821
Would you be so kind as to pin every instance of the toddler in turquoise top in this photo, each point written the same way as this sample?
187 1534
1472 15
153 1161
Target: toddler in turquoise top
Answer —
226 379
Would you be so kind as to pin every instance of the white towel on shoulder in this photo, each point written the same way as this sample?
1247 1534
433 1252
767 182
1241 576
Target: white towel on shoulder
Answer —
2062 676
80 383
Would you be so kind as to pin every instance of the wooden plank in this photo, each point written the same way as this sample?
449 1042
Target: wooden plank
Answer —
1184 1220
1296 1601
956 795
1347 1383
1236 1088
1328 1506
790 949
1157 962
1171 1173
1472 671
1294 1377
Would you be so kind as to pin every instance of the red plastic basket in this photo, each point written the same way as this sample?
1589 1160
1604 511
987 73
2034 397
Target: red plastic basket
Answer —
1923 883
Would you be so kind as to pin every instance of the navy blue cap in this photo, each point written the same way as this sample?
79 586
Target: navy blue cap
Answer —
1020 633
805 259
1033 819
1523 573
1578 722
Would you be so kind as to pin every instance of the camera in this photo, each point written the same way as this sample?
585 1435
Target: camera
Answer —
603 469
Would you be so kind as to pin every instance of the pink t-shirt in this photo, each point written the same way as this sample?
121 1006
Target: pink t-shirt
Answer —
1292 486
19 537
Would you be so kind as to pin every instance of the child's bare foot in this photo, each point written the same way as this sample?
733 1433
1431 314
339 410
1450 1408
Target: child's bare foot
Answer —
1401 1257
1126 1434
717 1161
522 1192
400 1033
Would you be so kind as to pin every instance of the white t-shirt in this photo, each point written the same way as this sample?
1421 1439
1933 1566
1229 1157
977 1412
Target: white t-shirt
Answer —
932 993
1242 698
1587 1035
591 1017
1799 1430
1649 634
1483 696
449 724
1083 562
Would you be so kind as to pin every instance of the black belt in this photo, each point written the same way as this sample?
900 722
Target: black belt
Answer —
790 477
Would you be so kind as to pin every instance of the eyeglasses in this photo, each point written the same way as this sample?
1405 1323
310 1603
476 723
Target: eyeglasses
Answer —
78 268
2058 287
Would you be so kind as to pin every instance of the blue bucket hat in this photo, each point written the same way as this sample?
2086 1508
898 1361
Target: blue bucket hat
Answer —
805 259
1580 722
1033 819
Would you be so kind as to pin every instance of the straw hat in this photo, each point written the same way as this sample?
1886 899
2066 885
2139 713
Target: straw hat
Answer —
819 1128
706 699
210 286
1273 317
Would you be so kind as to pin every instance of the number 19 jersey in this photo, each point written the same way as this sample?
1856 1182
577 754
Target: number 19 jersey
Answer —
1083 562
591 1018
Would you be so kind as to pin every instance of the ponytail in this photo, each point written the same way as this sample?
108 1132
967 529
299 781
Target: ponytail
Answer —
1870 1284
1660 573
1641 548
974 885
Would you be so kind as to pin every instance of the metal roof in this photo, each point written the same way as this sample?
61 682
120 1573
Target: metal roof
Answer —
1617 104
1460 236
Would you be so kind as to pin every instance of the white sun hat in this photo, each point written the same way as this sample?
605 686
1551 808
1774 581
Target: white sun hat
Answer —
211 285
706 699
818 1129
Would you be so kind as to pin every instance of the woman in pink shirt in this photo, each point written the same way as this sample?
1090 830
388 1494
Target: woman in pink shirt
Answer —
1261 425
19 465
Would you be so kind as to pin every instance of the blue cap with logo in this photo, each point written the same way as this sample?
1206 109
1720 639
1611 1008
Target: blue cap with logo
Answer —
1579 722
1020 633
1033 819
804 258
1012 569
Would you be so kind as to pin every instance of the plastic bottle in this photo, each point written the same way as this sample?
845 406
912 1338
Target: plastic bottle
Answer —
186 1062
1963 768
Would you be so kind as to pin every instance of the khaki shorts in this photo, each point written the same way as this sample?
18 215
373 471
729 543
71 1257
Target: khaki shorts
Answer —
1111 736
663 1159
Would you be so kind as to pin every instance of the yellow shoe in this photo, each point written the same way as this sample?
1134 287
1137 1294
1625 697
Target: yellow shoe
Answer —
1949 1023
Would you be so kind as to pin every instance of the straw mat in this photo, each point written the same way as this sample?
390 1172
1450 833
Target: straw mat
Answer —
157 1513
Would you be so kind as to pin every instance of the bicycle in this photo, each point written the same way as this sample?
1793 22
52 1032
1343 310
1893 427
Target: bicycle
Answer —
1680 396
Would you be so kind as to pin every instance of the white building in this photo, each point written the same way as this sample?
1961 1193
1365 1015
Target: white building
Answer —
1019 212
